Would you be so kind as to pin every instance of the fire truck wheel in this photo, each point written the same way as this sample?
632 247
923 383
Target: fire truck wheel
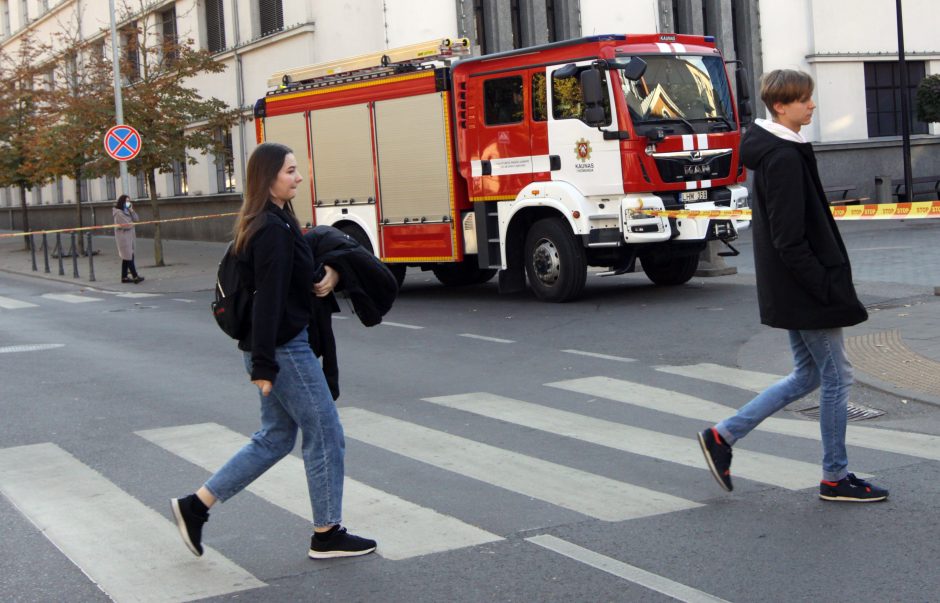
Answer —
357 235
555 262
462 273
674 271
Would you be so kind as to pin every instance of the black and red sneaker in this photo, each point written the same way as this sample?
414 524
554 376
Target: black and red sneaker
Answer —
851 489
718 456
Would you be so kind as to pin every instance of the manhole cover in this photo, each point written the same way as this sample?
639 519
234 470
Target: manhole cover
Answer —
857 412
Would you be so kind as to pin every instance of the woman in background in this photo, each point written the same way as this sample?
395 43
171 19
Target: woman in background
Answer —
125 236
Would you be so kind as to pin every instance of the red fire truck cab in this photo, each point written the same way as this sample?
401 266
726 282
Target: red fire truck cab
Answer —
534 163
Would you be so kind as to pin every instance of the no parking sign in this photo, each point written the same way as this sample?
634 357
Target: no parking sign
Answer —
122 142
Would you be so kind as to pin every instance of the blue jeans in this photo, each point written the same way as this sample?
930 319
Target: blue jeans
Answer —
301 399
818 358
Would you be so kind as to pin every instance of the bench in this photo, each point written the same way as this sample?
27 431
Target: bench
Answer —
843 198
925 185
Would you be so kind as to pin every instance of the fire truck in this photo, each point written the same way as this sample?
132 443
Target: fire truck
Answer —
533 164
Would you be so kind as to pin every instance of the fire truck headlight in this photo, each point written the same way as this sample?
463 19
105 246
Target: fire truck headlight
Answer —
742 203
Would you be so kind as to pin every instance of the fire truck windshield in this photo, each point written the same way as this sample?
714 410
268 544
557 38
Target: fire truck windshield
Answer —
681 90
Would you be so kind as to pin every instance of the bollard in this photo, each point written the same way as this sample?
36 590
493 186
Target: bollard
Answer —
58 246
91 259
32 251
74 253
45 252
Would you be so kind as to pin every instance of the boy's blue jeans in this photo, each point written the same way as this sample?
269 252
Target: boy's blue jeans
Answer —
819 359
300 399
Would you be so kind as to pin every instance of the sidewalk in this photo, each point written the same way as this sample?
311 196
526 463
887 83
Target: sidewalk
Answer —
897 350
190 265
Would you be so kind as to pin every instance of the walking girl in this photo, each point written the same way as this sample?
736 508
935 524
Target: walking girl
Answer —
125 235
277 262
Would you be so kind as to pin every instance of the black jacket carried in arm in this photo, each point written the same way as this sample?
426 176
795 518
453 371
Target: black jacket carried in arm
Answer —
369 284
279 266
804 280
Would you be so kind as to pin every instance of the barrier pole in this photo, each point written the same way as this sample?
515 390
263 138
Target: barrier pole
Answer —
74 253
58 246
91 259
32 251
45 252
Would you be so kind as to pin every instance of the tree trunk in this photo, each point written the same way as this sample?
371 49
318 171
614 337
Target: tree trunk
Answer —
77 176
25 216
155 208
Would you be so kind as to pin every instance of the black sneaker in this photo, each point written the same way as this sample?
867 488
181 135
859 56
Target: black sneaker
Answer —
718 456
339 543
851 489
189 523
137 280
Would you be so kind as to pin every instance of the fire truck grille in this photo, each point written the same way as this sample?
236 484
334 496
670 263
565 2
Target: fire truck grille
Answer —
682 169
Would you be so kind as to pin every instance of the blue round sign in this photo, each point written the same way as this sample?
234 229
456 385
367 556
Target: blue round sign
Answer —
122 142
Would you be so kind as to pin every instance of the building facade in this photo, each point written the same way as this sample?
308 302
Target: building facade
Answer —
848 46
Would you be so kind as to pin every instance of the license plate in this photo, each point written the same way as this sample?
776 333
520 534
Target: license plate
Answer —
693 196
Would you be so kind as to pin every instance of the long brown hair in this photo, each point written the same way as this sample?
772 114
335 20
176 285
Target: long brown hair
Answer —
263 167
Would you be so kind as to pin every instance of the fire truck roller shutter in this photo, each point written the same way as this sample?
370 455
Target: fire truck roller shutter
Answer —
344 179
291 130
414 165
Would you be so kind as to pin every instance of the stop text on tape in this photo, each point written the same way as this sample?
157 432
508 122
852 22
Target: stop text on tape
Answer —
877 211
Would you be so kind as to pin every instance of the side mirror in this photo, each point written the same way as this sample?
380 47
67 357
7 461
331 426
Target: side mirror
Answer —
635 69
745 113
592 91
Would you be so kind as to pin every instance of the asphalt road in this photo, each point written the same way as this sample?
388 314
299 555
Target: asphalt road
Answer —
500 449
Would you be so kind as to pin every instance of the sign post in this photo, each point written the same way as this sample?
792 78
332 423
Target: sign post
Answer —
118 101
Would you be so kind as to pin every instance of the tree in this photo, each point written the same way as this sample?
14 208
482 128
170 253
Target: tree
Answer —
928 99
170 117
79 108
19 120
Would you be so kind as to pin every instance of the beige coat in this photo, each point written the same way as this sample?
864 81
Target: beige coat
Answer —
125 236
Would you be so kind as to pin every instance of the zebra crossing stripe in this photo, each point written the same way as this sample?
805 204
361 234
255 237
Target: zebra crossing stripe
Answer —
586 493
909 443
91 521
654 582
69 298
724 375
765 468
403 529
8 303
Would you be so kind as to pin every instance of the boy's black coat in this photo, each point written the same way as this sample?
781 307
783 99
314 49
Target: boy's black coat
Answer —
804 280
368 282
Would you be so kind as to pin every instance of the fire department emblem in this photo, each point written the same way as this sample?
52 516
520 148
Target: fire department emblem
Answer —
582 150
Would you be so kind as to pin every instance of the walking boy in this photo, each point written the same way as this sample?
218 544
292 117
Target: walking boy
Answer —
804 285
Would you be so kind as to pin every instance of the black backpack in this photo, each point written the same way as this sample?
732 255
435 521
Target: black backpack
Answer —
232 305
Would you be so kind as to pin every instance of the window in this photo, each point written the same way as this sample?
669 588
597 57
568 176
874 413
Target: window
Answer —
883 97
48 79
478 17
37 195
550 18
168 26
59 193
215 26
271 13
225 163
539 102
4 17
131 65
502 98
141 185
567 102
83 191
516 23
24 13
110 188
8 197
180 178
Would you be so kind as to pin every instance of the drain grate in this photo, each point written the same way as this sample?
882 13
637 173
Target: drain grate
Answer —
857 412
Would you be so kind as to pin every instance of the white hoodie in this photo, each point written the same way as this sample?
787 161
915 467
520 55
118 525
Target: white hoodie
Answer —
780 130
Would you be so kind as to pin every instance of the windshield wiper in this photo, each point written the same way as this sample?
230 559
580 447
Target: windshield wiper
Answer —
669 120
724 120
